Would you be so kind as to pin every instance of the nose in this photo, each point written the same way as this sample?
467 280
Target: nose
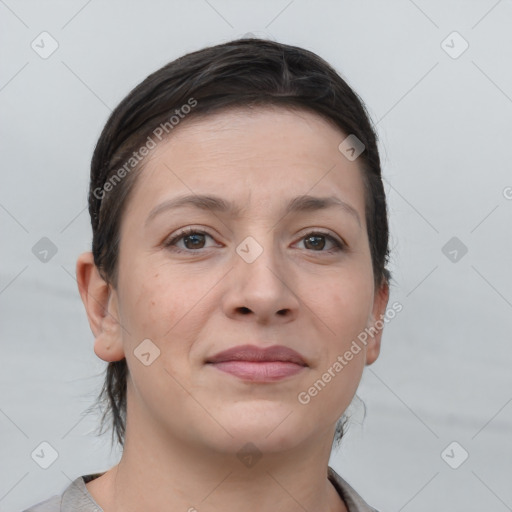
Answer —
261 289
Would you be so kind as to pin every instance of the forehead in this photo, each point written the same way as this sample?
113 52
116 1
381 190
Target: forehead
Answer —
259 156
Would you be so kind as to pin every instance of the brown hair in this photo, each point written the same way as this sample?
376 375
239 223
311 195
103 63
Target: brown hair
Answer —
247 72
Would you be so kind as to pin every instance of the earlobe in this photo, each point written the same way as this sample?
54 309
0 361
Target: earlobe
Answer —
377 324
100 302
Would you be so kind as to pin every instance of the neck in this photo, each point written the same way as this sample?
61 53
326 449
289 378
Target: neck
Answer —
157 473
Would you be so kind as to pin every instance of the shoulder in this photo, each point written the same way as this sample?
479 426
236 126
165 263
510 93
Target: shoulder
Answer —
74 498
353 500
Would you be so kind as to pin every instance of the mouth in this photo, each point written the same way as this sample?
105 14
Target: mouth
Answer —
251 363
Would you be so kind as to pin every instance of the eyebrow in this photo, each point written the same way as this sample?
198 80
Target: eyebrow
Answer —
299 204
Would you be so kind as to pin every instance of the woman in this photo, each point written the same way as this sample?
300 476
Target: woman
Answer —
236 285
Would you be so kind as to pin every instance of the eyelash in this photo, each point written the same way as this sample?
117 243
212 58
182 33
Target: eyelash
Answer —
338 245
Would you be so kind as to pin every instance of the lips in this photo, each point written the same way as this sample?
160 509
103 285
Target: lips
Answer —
252 353
259 365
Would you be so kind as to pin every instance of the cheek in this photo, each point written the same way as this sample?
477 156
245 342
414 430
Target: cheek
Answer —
148 308
344 310
166 309
347 304
155 309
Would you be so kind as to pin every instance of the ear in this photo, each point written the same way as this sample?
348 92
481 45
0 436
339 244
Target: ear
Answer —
376 324
100 301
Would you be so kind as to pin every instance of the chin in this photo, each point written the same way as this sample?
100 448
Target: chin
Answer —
254 441
269 434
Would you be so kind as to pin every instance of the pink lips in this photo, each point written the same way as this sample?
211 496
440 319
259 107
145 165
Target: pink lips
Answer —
249 362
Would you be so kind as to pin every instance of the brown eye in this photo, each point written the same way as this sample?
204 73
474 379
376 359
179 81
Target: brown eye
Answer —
196 241
316 242
193 239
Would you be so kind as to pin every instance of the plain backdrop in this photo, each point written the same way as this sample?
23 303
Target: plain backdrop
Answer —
437 81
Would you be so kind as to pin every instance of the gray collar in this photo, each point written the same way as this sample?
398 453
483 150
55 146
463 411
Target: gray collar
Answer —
351 498
77 498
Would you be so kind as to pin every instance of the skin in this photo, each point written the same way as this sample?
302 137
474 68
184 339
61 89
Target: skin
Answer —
187 421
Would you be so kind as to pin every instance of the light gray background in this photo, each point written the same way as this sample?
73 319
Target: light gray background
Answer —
444 125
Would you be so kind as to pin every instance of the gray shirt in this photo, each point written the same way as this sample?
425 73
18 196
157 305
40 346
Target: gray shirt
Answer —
76 497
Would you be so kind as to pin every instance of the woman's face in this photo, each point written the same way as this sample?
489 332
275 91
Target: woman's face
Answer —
260 272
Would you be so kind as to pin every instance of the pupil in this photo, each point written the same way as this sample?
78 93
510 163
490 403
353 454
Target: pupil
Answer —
316 245
193 236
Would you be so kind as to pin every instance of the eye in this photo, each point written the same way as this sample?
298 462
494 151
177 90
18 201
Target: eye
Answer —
316 241
192 238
